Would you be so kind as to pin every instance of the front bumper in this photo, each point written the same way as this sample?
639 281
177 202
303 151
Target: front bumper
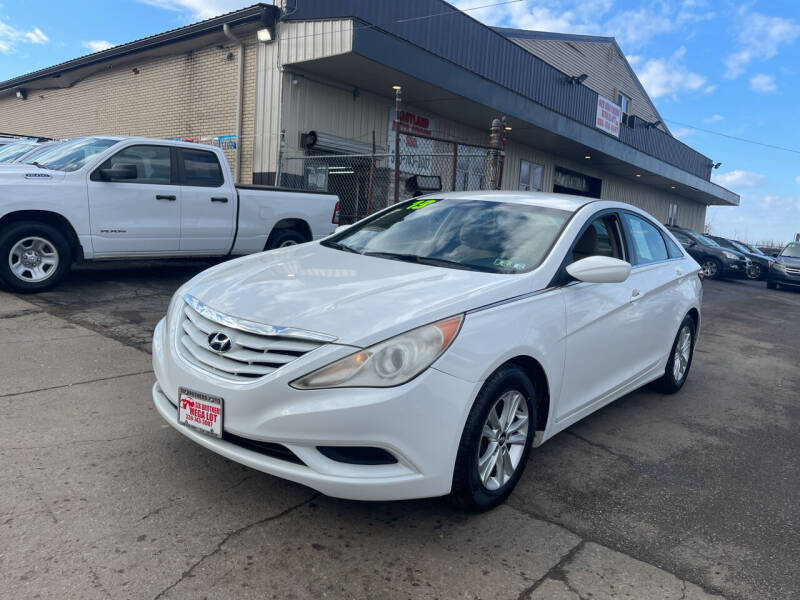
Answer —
419 423
735 268
784 277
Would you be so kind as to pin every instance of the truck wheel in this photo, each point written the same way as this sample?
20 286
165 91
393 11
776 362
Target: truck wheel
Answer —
280 238
34 256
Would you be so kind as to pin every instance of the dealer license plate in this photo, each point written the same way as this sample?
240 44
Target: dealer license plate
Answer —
200 412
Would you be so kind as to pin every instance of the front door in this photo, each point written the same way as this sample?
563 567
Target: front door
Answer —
138 214
208 206
599 343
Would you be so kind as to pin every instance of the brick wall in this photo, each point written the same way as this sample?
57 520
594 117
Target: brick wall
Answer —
191 94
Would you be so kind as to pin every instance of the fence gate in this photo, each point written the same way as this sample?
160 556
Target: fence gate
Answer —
365 183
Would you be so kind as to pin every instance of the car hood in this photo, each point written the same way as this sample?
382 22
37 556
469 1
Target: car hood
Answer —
789 260
358 299
14 174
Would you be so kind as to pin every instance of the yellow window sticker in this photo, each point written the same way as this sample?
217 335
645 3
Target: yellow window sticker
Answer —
419 204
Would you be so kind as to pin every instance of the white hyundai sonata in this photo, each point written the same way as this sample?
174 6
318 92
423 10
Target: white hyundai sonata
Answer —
424 350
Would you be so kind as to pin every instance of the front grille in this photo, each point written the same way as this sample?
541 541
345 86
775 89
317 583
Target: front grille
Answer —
271 449
793 271
250 355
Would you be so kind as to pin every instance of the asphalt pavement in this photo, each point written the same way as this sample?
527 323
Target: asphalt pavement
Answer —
654 496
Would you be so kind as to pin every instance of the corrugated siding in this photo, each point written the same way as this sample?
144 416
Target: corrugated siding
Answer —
601 61
443 30
267 109
310 40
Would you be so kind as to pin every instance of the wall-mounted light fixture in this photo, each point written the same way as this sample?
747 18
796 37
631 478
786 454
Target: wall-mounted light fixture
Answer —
265 34
654 125
21 94
574 79
716 166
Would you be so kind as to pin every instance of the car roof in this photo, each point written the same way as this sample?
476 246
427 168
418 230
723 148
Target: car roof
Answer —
545 199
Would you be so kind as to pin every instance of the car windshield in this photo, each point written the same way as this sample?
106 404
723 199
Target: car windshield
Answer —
495 237
71 156
12 151
739 247
792 250
752 249
702 239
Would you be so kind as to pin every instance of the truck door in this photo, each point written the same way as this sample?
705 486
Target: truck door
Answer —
134 202
208 209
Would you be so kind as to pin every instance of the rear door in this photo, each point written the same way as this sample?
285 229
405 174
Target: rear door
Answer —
208 210
140 215
655 276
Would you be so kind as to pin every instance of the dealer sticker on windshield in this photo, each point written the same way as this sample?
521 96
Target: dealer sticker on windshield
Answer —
200 412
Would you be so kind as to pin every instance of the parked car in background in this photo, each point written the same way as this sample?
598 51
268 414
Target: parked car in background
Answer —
99 198
786 268
24 151
759 262
424 350
717 262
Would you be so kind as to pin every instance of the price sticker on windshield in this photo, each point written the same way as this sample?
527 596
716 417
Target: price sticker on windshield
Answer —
420 204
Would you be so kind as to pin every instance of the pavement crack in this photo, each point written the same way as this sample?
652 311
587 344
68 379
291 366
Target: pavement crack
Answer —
71 443
190 571
23 312
66 385
604 448
556 572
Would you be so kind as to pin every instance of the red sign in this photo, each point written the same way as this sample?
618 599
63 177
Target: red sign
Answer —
608 116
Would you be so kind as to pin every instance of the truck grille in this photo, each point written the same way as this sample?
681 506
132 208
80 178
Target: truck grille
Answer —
239 354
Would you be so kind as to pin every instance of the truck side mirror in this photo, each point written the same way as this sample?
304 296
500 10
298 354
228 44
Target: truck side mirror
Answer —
120 171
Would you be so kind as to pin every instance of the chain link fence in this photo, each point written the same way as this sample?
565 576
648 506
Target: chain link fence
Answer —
365 183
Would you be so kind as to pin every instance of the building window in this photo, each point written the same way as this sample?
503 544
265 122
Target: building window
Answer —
673 215
530 176
625 103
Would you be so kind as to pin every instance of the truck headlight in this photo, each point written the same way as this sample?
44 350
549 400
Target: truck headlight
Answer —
778 266
389 363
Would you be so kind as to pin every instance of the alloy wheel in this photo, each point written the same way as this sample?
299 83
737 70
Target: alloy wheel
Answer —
503 439
33 259
710 269
683 352
754 272
287 243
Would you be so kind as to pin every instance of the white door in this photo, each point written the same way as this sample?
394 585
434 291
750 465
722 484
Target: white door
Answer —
655 288
600 344
208 207
134 203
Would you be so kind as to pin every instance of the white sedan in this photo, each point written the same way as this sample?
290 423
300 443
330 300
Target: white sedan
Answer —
424 350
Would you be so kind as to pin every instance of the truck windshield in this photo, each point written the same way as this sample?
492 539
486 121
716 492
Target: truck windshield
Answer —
12 151
792 250
476 235
71 156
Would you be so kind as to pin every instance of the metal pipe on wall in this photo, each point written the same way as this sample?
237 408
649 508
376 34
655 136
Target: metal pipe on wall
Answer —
239 83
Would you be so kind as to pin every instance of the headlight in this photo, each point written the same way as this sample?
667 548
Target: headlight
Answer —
778 266
730 255
388 363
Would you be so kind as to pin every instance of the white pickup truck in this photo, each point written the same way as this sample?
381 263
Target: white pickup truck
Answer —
107 197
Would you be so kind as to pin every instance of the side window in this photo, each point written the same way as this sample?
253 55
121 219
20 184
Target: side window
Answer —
152 164
201 168
672 248
648 245
601 238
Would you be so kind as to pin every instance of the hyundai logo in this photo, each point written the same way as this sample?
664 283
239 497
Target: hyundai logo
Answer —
219 342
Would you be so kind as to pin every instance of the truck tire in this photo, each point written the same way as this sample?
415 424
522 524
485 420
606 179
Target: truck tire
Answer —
280 238
34 256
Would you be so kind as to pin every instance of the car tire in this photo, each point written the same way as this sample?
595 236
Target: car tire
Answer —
712 268
771 285
34 257
755 272
507 389
681 354
281 238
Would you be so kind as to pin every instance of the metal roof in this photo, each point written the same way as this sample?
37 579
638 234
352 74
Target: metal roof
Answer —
264 13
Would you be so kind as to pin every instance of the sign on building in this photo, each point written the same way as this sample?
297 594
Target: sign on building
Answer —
416 154
608 116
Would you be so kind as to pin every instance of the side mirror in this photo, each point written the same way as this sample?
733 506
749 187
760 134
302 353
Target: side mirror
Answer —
341 228
774 255
600 269
120 171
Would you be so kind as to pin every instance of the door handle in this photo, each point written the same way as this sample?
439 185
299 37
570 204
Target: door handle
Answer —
219 199
169 197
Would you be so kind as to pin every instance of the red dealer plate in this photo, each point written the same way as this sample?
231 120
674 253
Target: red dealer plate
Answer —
200 412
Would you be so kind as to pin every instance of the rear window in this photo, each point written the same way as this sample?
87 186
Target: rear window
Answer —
201 168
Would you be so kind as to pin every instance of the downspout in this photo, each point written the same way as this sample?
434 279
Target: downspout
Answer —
239 84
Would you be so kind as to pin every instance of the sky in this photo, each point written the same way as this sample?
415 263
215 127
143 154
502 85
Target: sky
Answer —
716 70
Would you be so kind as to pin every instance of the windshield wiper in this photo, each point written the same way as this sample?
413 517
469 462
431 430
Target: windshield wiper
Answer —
340 246
425 260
